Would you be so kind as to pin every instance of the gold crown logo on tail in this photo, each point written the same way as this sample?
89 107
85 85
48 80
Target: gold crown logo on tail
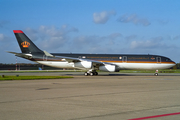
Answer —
25 44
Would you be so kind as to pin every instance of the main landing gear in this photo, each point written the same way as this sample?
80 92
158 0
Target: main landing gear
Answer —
156 73
91 73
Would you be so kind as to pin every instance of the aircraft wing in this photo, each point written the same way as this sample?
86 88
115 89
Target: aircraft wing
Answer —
94 62
71 59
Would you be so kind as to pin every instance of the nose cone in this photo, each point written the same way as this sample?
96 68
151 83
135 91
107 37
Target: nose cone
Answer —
173 63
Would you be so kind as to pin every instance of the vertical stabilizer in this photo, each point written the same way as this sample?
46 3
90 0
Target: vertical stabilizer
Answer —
26 45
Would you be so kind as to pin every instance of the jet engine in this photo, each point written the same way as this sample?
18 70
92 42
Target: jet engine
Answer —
83 64
109 68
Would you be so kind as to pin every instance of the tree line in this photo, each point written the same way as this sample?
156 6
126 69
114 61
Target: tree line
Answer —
26 66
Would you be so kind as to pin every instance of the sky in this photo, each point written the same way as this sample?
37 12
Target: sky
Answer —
92 26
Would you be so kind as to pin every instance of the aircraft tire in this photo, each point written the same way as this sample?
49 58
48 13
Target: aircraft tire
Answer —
156 74
86 74
96 73
92 74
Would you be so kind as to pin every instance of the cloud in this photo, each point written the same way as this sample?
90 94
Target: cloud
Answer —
89 44
94 43
163 22
53 37
143 44
31 33
114 36
176 37
2 23
102 17
148 44
133 18
55 32
2 37
111 38
50 37
130 37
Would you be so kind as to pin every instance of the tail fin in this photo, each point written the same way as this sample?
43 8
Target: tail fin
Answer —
26 45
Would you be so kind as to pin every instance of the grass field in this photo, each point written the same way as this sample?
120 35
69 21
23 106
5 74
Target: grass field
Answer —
2 77
32 77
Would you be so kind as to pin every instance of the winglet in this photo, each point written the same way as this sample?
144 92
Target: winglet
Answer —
47 54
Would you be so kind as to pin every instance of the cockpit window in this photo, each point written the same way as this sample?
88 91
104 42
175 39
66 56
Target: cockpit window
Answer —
167 59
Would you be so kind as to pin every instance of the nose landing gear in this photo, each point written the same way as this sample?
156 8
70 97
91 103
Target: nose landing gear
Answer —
156 73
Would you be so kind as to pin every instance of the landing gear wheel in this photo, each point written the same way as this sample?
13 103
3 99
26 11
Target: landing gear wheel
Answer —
96 73
86 74
91 74
156 74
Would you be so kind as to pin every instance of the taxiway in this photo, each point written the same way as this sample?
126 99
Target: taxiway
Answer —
104 97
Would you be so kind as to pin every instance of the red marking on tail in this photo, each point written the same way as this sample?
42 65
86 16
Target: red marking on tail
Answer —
17 31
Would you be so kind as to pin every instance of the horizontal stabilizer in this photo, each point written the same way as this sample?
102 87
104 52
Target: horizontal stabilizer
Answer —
21 55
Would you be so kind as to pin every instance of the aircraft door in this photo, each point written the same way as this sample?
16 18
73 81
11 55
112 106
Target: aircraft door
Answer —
124 59
158 59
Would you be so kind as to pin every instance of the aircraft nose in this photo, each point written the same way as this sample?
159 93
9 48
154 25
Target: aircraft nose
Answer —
174 63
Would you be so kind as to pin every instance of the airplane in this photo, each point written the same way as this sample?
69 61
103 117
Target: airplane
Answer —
90 62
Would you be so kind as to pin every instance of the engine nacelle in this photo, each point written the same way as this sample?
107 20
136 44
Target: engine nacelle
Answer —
109 68
83 64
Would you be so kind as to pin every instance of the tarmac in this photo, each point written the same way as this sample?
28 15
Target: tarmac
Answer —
109 96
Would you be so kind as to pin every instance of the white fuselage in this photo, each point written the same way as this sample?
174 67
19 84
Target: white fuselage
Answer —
123 66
